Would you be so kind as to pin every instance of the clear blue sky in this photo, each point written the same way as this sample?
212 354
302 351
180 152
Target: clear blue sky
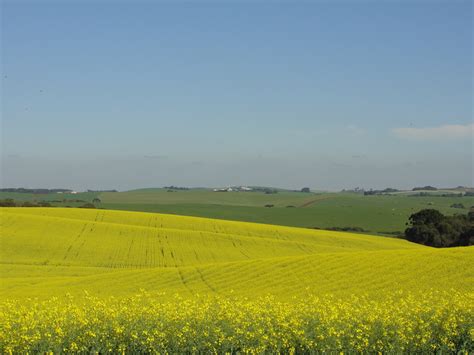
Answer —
103 94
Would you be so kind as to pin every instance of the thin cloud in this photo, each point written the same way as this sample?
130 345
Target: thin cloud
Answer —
355 130
155 157
445 132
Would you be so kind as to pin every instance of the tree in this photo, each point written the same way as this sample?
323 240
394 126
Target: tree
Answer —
431 227
423 234
467 238
305 189
426 216
470 216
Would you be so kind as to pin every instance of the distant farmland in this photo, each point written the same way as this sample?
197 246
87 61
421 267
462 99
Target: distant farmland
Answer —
382 214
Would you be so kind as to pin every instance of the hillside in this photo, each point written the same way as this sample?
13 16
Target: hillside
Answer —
53 251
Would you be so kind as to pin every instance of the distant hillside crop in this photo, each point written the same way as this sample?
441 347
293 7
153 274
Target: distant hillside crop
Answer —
192 255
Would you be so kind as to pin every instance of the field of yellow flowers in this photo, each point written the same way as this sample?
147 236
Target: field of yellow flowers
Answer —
76 280
414 323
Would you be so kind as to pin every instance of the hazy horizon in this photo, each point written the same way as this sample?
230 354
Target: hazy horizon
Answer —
328 96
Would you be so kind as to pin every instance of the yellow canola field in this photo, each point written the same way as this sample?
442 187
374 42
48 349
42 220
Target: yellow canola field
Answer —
222 285
402 323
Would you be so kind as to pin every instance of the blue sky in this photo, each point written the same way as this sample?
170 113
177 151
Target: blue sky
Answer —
103 94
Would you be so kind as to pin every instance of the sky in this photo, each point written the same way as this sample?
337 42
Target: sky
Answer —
330 95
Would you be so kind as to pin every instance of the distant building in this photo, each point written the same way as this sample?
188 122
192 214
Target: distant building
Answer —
230 189
226 189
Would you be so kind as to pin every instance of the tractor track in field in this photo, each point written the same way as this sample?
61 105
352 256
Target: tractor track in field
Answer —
201 276
313 201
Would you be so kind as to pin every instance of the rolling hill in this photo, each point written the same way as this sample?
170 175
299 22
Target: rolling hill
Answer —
53 251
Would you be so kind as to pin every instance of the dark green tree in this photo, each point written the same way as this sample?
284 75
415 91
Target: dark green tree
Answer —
431 227
426 216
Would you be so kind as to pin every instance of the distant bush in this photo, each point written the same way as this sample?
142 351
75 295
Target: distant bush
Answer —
305 189
266 190
269 206
424 194
344 229
35 191
348 229
427 188
87 205
290 206
388 190
270 191
393 233
421 194
457 205
8 202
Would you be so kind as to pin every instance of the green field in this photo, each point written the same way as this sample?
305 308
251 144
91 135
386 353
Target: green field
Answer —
385 214
138 268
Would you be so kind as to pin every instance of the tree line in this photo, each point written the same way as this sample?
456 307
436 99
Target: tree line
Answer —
34 191
9 202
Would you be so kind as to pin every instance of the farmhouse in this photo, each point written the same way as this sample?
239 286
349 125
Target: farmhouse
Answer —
227 189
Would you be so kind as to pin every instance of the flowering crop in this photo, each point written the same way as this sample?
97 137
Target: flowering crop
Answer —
404 322
219 286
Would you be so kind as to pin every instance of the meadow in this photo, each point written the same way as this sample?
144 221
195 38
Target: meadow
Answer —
111 281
